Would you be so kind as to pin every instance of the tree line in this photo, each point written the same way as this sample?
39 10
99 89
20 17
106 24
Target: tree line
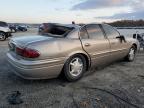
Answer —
128 23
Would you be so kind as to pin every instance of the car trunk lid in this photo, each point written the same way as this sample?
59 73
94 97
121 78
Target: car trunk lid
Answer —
25 40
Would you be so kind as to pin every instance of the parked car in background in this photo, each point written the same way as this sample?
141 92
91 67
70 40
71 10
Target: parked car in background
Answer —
140 38
44 27
69 50
13 28
21 28
5 32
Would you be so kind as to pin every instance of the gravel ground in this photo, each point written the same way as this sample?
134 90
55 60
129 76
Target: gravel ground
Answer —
118 85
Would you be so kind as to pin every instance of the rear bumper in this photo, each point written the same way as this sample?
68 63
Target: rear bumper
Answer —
32 70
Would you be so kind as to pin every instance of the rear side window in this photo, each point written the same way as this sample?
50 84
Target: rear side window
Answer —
110 31
94 31
3 24
83 33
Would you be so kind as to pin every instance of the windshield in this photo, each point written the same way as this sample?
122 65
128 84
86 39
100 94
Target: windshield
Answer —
55 30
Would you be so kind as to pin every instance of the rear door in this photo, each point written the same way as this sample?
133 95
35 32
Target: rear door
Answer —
119 48
95 43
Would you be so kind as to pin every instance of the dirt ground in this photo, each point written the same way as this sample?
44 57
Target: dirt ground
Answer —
119 85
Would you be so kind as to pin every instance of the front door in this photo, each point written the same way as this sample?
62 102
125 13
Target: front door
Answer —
119 48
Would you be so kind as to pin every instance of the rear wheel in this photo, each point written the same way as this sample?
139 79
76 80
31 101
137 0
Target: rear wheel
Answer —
75 67
2 36
131 55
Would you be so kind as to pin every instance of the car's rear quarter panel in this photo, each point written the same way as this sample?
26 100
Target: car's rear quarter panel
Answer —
60 48
53 55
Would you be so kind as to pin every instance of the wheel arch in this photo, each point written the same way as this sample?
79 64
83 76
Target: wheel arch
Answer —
135 45
87 60
85 55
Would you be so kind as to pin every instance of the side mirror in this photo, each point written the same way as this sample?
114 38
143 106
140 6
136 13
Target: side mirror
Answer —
121 37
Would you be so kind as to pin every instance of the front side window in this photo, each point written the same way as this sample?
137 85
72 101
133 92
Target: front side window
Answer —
95 31
110 31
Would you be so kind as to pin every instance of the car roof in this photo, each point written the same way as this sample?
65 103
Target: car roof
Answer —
72 25
65 25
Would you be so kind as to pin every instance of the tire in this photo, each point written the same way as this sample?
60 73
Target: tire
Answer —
131 55
75 67
2 36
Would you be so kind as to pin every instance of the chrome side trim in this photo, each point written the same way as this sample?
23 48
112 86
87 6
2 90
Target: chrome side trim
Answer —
119 50
100 53
108 52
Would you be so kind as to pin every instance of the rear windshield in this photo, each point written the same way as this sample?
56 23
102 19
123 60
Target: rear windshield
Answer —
3 24
55 30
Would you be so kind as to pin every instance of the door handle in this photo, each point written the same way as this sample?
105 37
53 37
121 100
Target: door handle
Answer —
87 44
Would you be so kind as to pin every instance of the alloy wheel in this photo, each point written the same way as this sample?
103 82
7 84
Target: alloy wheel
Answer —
76 67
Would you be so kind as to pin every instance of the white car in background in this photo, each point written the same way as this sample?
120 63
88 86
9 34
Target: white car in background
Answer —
5 32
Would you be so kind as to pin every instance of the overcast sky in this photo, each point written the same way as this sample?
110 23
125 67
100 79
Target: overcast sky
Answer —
66 11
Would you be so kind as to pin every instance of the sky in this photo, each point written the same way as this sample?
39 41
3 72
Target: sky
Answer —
66 11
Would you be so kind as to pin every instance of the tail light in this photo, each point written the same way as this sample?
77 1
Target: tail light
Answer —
28 53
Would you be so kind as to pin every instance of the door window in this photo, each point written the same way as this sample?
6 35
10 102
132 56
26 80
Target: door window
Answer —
111 32
94 31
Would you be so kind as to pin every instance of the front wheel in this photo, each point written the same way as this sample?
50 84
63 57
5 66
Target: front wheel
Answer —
2 36
131 55
75 67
